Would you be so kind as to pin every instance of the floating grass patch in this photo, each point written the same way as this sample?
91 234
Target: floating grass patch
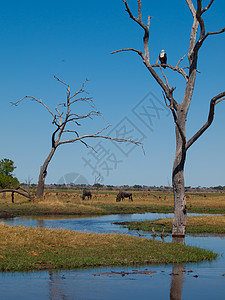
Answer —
195 224
27 248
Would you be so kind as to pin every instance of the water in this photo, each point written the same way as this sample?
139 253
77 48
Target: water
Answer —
190 281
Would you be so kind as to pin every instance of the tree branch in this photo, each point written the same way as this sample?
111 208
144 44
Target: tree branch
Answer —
145 57
176 69
34 99
167 82
139 10
204 35
80 138
212 33
207 7
215 100
139 21
199 18
191 6
129 49
180 60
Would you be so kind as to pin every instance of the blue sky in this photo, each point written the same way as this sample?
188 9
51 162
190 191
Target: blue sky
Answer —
73 40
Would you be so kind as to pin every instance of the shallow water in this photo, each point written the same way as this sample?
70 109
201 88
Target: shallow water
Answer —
190 281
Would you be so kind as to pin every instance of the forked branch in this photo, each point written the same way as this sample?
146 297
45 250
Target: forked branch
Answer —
145 56
198 20
139 22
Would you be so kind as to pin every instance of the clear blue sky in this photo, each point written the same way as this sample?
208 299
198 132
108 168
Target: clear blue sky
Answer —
73 40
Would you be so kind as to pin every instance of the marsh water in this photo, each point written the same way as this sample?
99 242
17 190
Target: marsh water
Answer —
204 280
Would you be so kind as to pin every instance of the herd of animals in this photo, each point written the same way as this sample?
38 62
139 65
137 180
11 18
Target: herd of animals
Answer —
120 195
87 194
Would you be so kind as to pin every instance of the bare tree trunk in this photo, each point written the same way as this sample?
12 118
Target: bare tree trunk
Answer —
179 221
43 174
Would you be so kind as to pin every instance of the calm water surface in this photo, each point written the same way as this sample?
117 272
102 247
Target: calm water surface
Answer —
190 281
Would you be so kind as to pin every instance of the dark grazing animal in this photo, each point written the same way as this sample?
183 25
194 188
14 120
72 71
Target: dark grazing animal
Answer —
123 195
87 194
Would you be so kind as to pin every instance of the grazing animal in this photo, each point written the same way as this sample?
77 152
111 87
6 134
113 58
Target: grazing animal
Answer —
47 194
97 196
64 195
122 195
87 194
74 195
163 58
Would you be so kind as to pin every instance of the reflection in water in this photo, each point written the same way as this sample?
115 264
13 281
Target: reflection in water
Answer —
40 223
177 282
178 240
177 275
55 286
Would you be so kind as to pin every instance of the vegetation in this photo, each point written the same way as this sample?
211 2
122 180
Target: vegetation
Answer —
24 249
195 224
7 180
69 202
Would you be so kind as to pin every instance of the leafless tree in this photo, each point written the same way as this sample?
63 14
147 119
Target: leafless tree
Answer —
67 122
180 109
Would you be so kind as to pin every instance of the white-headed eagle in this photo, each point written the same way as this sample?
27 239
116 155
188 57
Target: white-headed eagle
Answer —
163 58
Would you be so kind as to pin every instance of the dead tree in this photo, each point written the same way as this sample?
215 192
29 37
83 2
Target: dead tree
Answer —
179 109
67 122
23 192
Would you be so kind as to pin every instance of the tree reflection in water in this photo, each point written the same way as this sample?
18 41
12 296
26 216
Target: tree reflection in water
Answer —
177 276
56 286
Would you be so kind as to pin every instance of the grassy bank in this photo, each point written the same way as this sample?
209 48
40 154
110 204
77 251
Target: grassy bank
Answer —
24 249
195 224
104 202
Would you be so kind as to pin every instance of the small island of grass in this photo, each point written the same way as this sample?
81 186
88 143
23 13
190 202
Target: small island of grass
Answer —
28 249
195 224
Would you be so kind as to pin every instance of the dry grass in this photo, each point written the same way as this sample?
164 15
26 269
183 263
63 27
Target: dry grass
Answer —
104 202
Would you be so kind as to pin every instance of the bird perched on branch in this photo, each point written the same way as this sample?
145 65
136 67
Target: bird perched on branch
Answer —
163 58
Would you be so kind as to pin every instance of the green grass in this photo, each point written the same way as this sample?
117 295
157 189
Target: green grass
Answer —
26 249
195 224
